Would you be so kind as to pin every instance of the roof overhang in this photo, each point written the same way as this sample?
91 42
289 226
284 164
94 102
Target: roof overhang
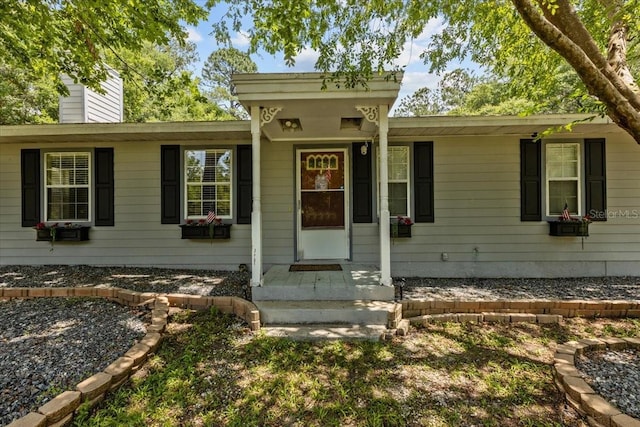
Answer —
112 132
328 114
400 128
433 126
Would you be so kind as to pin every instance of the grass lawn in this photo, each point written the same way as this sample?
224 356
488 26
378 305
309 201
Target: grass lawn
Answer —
210 371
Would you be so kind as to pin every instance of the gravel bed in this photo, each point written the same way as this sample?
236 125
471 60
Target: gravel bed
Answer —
614 375
588 288
141 279
48 345
235 283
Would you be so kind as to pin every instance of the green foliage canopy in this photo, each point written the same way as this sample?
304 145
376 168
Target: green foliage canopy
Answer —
217 75
526 41
25 101
47 38
158 85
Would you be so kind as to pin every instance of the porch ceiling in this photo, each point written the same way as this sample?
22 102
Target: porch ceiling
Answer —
320 112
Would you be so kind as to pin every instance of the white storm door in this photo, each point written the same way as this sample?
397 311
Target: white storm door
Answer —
323 226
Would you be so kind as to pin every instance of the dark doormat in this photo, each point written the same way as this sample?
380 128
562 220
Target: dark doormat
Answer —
315 267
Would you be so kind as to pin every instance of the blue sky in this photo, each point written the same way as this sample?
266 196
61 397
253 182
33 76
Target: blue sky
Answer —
416 72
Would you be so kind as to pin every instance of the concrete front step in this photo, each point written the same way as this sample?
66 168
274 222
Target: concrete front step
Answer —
326 332
325 312
322 293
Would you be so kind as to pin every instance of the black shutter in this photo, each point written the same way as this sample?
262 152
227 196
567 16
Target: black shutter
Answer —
423 181
104 187
595 179
244 184
530 180
30 180
362 185
170 184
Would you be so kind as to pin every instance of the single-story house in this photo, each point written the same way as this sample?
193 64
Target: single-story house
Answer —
318 176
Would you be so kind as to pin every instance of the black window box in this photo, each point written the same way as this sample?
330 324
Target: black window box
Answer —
63 234
222 231
569 228
400 230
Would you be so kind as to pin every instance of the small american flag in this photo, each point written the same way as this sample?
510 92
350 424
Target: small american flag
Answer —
211 216
565 213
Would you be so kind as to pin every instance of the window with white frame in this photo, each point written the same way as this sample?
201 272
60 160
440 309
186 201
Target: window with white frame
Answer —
208 178
67 186
563 179
398 167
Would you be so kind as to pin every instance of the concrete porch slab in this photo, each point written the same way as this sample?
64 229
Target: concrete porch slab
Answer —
354 282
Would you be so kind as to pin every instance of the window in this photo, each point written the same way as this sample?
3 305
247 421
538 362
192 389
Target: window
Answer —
402 177
563 181
208 178
398 167
67 186
573 173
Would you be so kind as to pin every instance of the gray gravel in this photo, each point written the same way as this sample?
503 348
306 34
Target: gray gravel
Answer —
615 375
225 283
141 279
48 345
589 288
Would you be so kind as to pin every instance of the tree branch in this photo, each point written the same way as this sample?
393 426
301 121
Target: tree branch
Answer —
617 59
569 23
597 81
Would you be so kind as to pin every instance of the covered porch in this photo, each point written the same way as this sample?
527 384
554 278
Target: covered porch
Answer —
328 132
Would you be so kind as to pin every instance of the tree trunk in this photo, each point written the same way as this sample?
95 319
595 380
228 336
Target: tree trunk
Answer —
617 55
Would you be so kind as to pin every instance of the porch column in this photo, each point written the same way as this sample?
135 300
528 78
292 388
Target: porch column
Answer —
256 210
385 240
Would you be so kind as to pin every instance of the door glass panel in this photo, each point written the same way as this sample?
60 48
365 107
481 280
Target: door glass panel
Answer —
322 209
322 189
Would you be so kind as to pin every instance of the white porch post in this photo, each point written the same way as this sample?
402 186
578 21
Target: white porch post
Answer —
256 211
385 240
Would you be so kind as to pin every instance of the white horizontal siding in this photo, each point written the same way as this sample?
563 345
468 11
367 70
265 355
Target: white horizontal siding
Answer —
85 105
10 208
278 221
71 108
138 237
477 225
365 243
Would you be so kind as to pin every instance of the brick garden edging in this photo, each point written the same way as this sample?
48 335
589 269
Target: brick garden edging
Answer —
575 308
425 319
578 394
425 311
60 410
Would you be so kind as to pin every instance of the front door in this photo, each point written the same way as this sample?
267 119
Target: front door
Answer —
323 231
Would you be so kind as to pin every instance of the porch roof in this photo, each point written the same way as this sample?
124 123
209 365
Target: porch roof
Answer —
329 114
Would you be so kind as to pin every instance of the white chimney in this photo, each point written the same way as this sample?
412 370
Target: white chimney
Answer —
84 105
